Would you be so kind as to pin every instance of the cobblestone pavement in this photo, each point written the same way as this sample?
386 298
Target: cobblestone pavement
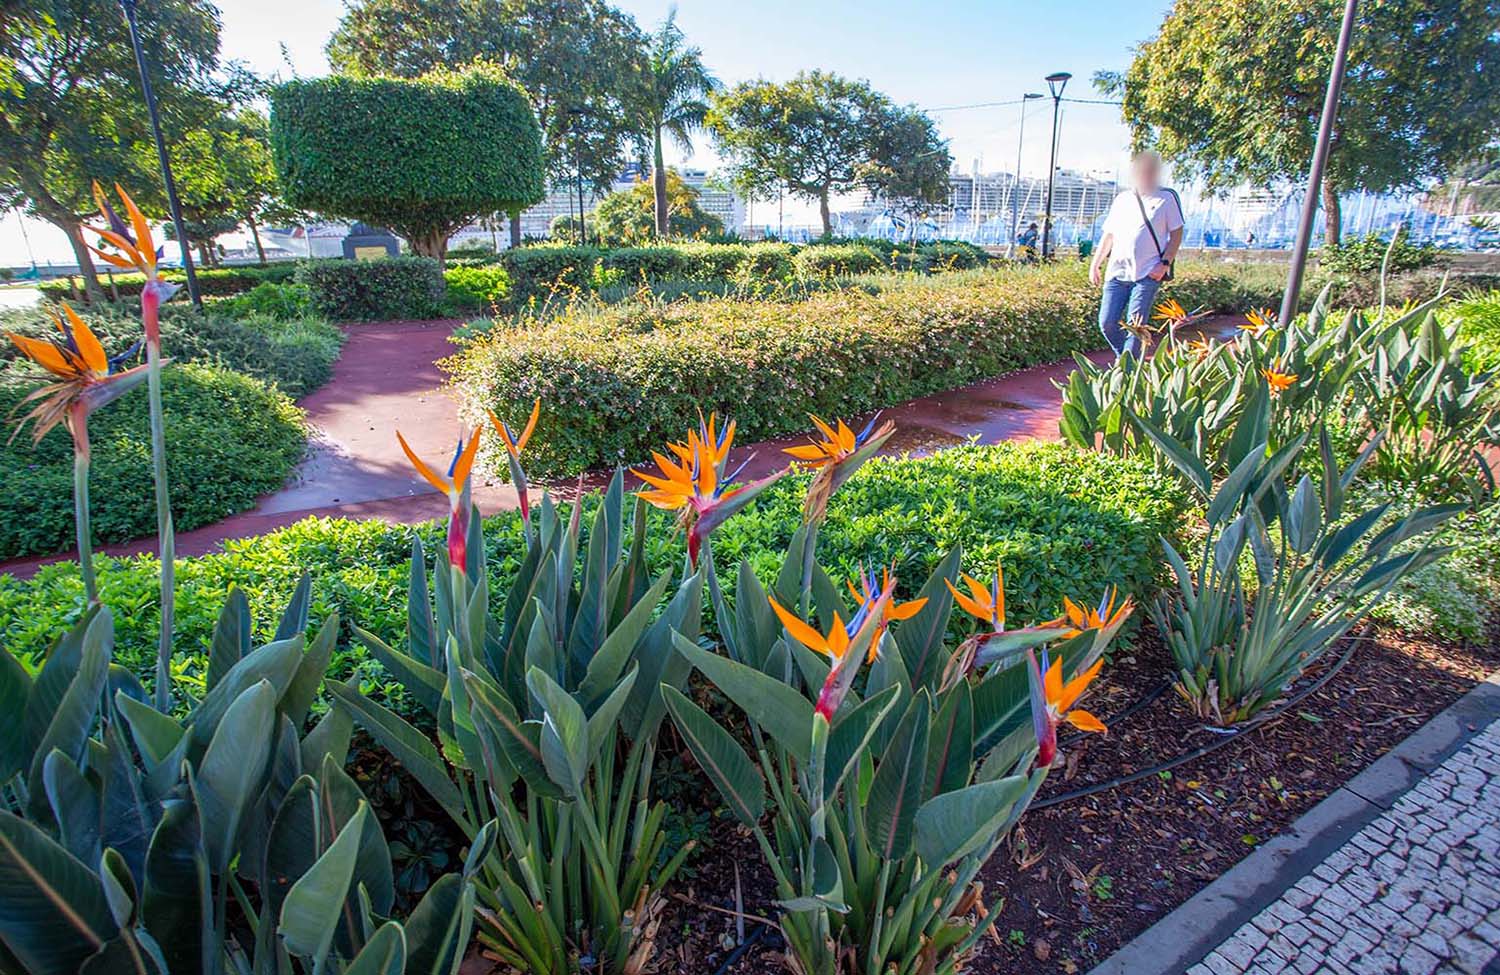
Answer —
1416 891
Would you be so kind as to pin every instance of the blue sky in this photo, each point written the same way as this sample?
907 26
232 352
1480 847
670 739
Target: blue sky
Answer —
931 55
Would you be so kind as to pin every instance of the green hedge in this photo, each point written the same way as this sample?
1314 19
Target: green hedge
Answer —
1065 522
618 382
389 288
838 260
295 354
475 288
212 281
230 438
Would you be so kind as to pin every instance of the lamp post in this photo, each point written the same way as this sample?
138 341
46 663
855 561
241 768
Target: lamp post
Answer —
1015 188
173 204
1056 82
1319 162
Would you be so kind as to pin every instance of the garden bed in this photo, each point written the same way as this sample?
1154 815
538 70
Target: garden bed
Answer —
1188 825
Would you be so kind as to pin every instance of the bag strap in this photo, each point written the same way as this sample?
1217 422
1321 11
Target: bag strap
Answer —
1146 217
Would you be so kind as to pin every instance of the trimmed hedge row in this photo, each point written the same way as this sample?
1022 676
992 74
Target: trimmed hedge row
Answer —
548 270
618 382
390 288
1064 521
212 281
230 439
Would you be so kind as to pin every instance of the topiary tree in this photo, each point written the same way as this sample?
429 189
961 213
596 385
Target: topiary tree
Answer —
424 156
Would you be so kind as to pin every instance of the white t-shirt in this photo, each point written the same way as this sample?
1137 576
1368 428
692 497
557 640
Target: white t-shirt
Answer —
1133 254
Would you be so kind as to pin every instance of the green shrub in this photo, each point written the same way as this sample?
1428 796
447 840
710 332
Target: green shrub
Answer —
1478 317
230 438
1367 255
619 382
389 288
212 281
837 260
296 355
1458 598
272 299
1065 522
476 288
541 272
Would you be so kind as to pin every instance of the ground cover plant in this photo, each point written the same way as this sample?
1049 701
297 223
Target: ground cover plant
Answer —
295 352
621 378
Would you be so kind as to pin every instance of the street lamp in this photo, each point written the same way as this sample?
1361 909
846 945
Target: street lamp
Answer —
161 154
1015 188
1319 161
1056 82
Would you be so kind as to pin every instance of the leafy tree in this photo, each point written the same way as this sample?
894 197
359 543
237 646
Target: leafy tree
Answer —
816 135
672 100
577 61
225 177
1231 91
629 217
71 108
423 157
909 163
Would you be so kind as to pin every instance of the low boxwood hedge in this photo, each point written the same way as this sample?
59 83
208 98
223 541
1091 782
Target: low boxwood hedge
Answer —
296 354
212 281
230 438
618 382
1064 521
381 290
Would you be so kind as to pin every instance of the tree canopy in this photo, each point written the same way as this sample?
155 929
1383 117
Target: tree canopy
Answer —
577 61
628 218
821 134
71 109
224 176
423 157
1231 91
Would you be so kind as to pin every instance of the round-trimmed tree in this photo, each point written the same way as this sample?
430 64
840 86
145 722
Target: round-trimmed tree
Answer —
421 156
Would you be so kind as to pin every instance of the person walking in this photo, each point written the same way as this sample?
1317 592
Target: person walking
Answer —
1142 234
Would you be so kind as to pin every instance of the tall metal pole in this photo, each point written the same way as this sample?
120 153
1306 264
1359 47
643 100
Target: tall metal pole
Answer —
1055 83
161 154
1015 188
1319 162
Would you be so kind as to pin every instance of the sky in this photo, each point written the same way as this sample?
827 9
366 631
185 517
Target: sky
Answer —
934 55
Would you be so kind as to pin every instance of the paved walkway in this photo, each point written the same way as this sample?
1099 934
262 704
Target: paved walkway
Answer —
1416 891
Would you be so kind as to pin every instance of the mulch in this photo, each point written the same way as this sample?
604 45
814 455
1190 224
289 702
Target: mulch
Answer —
1079 879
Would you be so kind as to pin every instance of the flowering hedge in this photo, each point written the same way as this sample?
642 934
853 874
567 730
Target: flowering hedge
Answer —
620 381
1064 521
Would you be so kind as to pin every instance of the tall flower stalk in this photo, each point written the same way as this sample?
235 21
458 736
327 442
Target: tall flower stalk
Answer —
132 248
87 379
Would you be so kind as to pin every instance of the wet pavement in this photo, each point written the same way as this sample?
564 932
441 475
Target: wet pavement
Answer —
387 378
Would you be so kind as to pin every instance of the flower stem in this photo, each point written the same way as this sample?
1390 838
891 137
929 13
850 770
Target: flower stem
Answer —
78 422
163 528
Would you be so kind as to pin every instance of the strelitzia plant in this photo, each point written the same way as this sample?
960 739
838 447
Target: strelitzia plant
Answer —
86 380
889 785
455 487
513 446
546 716
131 247
220 841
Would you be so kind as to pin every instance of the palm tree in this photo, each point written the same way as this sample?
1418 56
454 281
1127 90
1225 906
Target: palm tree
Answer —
675 86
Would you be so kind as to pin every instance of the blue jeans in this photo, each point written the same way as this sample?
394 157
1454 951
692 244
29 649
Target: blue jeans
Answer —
1125 301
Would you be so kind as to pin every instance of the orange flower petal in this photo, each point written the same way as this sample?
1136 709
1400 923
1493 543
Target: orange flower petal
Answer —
800 631
88 345
427 473
1084 721
465 461
1074 688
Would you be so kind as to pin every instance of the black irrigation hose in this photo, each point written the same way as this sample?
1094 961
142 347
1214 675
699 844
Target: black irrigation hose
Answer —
743 949
1120 718
1198 753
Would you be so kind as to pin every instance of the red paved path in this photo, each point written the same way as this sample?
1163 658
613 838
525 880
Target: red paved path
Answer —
387 378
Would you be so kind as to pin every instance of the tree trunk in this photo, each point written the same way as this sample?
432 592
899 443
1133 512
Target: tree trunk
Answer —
823 212
1332 215
205 254
659 186
260 250
515 229
433 243
74 230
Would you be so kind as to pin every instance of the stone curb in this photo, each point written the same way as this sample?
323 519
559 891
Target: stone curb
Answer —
1183 938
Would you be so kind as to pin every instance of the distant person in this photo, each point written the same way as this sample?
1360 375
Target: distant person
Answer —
1142 234
1250 239
1028 242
